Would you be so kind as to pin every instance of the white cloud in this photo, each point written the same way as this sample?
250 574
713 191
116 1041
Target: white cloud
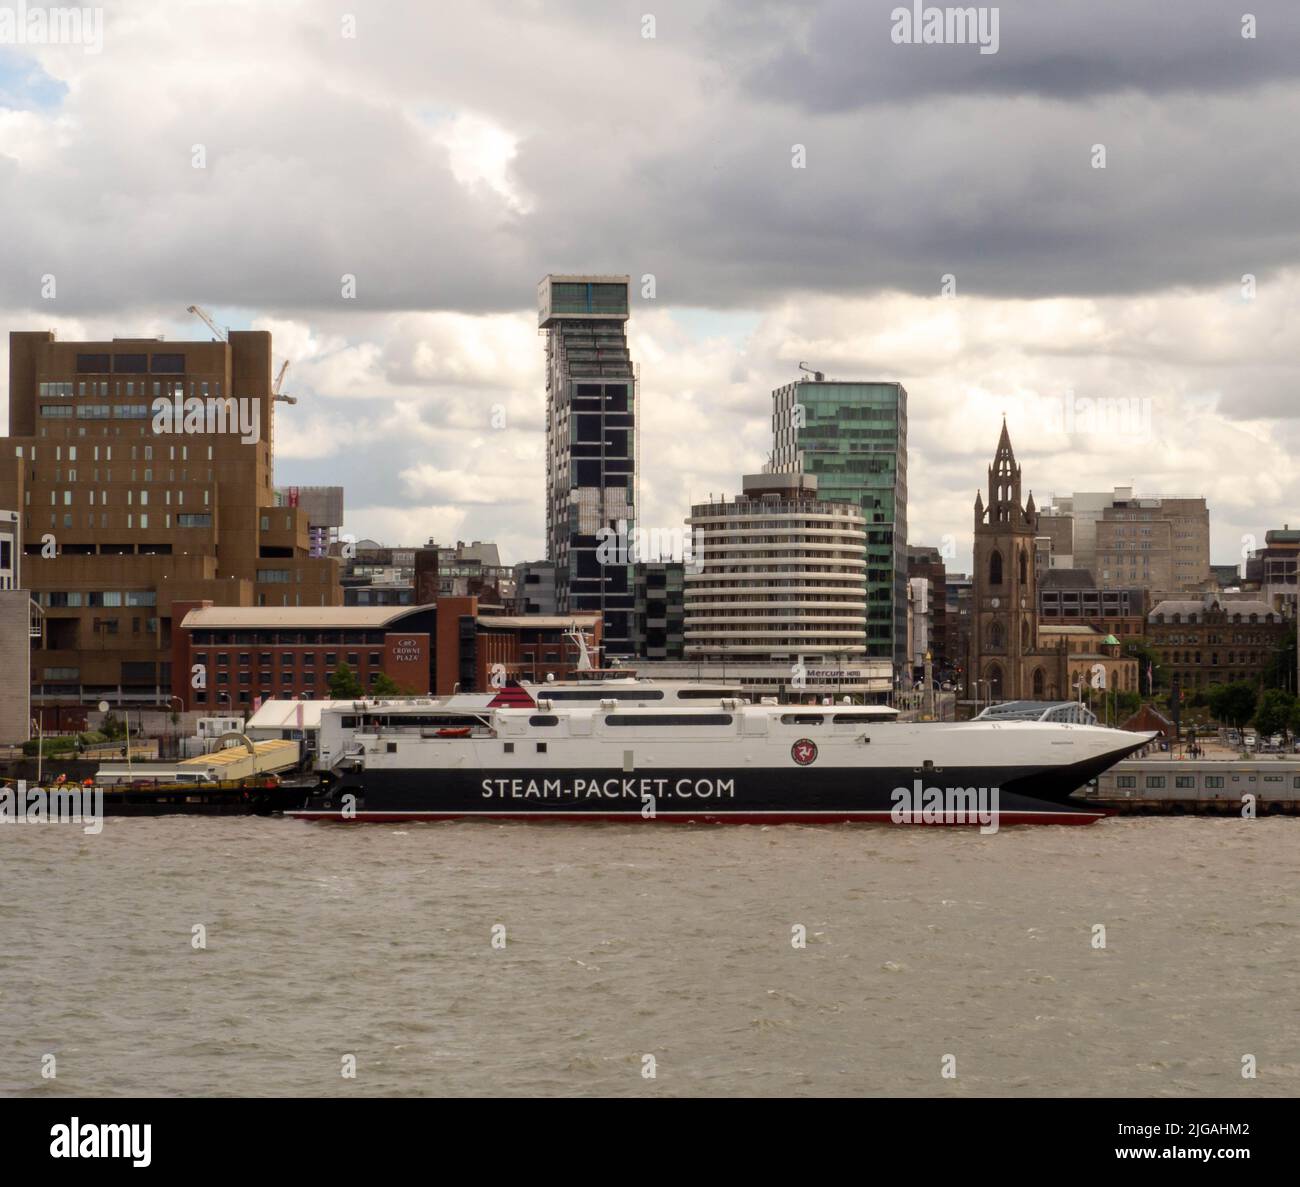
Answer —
480 152
448 160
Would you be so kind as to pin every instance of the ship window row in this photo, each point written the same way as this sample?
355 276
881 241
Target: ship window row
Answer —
673 720
410 720
835 719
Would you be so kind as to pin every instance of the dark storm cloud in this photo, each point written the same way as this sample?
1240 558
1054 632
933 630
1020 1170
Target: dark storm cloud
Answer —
999 194
840 54
669 155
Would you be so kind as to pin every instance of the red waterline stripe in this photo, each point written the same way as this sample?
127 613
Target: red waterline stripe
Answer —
1003 819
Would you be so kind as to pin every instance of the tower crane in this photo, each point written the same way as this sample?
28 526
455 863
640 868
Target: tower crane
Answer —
204 316
223 335
276 394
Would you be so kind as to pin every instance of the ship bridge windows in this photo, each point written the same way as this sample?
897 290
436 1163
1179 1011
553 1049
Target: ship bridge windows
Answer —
803 719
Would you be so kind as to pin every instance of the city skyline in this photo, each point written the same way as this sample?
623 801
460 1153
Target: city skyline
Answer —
1125 284
774 521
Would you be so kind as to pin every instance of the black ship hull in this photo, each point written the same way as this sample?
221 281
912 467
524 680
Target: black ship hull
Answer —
743 796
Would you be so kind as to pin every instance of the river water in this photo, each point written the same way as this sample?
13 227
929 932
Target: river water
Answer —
631 949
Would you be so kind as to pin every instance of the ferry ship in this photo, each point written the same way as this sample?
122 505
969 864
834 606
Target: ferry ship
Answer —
631 750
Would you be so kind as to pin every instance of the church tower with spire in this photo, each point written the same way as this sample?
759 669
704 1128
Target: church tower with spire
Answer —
1005 653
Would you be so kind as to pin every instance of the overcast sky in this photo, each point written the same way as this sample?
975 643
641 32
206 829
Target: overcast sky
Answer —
448 155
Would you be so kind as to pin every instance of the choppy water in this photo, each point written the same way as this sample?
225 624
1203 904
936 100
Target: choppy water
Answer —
624 941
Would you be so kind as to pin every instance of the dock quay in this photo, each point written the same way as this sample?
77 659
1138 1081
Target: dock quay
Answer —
229 764
1167 786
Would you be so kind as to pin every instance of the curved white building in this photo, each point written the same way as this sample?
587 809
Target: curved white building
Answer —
776 574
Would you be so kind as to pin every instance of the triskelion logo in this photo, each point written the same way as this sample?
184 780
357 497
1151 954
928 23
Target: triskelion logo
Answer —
804 751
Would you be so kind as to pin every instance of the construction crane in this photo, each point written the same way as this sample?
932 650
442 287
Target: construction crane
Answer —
204 316
275 387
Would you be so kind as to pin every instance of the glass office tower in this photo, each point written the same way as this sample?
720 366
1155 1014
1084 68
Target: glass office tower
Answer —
853 437
590 450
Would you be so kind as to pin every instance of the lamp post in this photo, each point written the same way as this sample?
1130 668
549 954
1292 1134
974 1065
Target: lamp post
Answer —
180 707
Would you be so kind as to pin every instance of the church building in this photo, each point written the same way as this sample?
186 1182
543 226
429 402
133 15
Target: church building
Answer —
1011 657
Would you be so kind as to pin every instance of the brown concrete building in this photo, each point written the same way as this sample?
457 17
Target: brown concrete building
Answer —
1054 544
233 657
1207 641
1159 543
1086 658
143 473
1071 596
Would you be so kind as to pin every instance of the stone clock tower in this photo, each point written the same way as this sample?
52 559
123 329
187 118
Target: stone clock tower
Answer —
1005 653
